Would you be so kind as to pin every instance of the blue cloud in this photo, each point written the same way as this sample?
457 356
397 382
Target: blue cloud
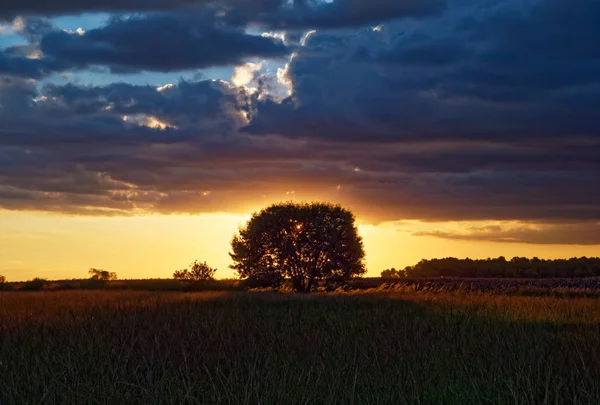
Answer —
485 111
11 8
302 14
159 42
501 73
14 61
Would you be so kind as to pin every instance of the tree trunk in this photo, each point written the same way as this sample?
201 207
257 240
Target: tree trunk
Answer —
310 284
298 283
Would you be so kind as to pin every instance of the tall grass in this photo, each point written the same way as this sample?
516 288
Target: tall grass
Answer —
378 347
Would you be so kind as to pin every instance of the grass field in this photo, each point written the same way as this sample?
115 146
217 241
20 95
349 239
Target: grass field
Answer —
368 347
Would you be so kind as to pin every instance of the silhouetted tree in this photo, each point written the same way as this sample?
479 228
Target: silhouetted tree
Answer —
4 284
393 273
102 275
198 271
303 242
500 267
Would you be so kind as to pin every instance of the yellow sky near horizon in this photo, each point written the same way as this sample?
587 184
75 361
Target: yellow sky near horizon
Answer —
54 246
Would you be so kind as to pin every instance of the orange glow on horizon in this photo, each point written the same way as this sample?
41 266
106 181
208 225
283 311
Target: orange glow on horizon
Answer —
53 246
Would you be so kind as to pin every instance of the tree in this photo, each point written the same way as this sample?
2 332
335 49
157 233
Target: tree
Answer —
102 275
198 271
500 267
393 273
4 284
302 242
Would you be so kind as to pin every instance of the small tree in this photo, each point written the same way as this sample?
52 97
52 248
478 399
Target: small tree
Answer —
199 271
4 284
393 273
304 242
102 275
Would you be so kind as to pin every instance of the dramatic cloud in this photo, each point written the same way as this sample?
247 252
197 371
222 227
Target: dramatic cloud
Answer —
298 14
100 115
160 42
277 14
485 112
177 148
570 233
211 34
16 97
464 75
12 8
25 61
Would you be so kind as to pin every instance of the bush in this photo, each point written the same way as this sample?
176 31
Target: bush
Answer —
199 271
393 273
37 284
92 284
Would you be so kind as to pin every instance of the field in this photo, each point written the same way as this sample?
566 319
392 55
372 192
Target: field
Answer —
400 345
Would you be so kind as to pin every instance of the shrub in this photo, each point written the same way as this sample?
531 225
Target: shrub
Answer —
199 271
393 273
36 284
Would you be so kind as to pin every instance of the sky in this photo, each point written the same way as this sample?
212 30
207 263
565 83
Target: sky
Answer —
136 136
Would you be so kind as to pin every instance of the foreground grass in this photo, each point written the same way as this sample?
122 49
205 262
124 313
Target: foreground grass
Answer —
120 347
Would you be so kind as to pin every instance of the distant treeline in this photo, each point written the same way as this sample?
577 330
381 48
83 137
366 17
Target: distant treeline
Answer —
39 284
500 267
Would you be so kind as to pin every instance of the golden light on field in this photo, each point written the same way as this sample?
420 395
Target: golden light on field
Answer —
53 246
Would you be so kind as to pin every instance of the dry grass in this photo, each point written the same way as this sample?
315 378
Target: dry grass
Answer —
372 347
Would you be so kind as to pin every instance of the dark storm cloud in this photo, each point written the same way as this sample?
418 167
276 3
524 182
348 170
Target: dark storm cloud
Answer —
160 42
27 61
12 8
464 157
16 97
183 104
275 14
63 115
198 37
14 62
451 117
71 150
499 71
307 14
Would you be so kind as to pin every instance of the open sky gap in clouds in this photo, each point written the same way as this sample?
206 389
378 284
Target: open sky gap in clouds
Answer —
430 110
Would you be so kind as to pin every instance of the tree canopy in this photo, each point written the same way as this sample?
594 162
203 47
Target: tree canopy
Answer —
198 271
103 275
500 267
302 242
393 273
